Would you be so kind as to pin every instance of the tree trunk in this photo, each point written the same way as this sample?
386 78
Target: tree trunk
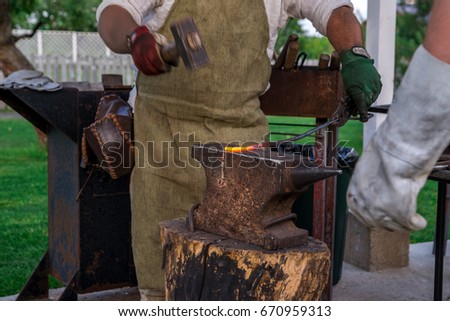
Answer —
205 266
11 58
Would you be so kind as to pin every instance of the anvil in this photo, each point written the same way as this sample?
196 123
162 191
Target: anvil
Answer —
249 195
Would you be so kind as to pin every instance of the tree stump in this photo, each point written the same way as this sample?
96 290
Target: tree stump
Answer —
205 266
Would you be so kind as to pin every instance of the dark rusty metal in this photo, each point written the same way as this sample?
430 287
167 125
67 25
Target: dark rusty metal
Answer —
325 194
249 195
324 62
345 110
305 92
335 61
188 44
113 82
440 240
441 229
37 285
70 292
89 240
45 110
281 59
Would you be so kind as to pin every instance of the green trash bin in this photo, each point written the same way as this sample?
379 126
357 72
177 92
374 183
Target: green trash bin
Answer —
303 207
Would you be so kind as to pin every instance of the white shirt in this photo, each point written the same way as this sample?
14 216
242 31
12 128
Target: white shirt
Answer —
153 13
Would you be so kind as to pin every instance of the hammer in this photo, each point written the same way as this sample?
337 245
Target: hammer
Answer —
187 44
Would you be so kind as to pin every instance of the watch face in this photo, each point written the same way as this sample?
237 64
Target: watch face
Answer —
360 51
133 36
128 42
130 39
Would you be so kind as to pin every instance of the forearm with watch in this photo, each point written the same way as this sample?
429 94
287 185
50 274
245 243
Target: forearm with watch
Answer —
122 34
361 79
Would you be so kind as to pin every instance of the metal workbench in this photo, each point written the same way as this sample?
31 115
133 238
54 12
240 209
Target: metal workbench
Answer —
89 247
440 239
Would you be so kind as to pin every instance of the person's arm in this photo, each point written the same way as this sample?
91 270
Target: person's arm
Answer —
114 25
336 21
437 41
361 79
402 153
122 34
344 30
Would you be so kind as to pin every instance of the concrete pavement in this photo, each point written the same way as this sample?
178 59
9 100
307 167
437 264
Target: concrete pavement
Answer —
414 282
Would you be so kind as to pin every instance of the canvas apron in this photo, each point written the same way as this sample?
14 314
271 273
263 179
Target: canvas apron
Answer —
173 110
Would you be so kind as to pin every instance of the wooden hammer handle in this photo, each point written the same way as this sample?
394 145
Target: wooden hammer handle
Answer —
169 53
279 64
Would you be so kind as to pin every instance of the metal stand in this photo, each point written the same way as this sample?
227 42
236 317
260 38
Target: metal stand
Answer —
443 178
37 285
324 206
89 239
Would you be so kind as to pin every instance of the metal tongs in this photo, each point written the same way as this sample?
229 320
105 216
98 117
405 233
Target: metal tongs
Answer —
277 144
346 109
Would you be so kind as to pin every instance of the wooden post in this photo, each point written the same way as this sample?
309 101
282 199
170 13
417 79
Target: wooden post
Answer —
205 266
380 43
372 248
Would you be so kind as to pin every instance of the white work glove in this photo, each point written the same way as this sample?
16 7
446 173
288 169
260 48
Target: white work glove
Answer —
396 163
31 79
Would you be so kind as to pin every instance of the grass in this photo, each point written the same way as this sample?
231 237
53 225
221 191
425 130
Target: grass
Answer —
23 204
23 198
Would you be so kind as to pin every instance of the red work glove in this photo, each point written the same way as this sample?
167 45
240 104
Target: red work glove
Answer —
145 52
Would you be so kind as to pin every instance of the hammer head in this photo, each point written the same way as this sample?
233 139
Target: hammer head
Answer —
189 43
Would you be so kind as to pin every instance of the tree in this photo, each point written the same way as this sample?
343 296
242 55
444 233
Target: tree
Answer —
44 14
312 46
55 14
11 59
412 20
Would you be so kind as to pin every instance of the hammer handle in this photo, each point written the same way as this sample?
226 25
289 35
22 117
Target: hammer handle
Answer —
324 61
169 53
335 62
291 55
279 64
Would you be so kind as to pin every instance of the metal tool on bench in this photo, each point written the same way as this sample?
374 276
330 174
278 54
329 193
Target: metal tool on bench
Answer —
443 162
250 194
187 44
288 55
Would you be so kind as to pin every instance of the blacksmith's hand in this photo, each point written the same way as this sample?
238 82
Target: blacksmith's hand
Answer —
146 52
361 79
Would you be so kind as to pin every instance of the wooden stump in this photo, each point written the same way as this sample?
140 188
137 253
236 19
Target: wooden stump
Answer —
205 266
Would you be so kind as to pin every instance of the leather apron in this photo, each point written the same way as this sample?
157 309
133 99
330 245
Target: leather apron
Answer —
217 103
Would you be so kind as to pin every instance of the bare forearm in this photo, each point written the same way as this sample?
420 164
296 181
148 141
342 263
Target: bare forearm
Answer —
114 25
344 30
437 41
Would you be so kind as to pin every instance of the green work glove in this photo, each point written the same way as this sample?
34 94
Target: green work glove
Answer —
361 79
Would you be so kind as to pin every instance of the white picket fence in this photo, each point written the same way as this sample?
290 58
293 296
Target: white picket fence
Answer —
74 56
86 68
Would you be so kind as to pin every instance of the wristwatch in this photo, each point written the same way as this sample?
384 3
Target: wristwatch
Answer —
360 51
130 39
